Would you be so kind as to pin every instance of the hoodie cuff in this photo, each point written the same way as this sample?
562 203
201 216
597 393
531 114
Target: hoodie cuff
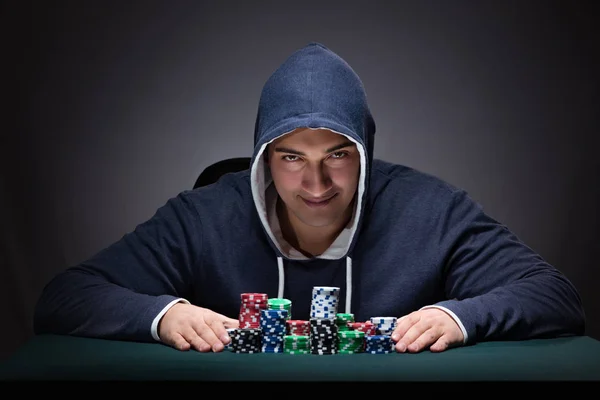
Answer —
455 318
154 326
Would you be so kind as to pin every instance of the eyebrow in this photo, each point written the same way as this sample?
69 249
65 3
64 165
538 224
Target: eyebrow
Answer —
299 153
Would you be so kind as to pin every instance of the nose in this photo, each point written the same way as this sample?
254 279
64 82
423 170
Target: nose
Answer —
316 180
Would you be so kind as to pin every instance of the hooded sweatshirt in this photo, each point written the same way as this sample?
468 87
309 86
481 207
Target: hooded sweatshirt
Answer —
413 241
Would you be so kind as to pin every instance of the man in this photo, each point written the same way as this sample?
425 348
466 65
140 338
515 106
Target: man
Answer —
316 209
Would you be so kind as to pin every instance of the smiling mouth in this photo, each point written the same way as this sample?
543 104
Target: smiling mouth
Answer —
317 204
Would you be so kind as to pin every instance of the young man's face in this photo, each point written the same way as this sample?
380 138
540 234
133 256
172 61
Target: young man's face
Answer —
316 175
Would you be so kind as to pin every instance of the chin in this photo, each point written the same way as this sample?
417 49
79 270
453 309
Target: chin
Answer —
322 222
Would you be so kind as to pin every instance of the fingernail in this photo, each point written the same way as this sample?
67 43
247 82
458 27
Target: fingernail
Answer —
217 347
395 337
402 347
225 338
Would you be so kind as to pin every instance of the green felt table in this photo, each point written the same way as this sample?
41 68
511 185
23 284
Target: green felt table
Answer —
62 358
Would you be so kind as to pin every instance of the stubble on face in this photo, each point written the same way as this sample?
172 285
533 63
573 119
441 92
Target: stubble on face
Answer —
316 175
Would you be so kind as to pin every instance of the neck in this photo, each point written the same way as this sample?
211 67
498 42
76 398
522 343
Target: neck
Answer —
309 240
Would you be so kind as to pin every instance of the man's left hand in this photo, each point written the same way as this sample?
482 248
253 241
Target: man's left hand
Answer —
427 328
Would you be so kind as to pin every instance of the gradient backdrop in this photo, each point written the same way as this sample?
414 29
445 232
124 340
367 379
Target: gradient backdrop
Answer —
113 107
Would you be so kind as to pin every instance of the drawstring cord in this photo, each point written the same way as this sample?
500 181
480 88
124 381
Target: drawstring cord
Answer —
348 282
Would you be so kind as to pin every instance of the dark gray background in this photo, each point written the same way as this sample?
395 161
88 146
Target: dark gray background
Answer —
112 107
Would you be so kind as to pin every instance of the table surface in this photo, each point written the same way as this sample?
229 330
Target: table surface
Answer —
52 358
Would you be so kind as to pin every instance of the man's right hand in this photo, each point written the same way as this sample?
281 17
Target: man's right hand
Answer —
187 326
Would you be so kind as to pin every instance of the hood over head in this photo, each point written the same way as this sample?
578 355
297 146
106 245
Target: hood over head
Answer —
313 88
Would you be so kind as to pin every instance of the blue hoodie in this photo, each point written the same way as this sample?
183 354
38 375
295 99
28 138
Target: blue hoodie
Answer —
414 241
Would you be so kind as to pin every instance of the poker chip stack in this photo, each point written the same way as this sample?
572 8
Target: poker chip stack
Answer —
296 341
247 340
350 342
280 304
384 325
298 327
367 327
323 336
323 328
273 328
324 302
296 344
248 337
382 342
342 320
250 307
379 344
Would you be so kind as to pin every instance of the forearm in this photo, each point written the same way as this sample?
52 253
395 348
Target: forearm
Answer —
545 305
501 288
93 307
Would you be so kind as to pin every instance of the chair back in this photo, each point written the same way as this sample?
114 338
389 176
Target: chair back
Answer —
213 172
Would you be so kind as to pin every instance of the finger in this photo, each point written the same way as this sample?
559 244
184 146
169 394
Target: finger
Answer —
231 323
440 345
218 327
206 332
426 339
403 324
178 342
195 340
410 336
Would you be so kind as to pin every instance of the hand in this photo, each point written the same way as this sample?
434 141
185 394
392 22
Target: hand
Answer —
186 326
430 327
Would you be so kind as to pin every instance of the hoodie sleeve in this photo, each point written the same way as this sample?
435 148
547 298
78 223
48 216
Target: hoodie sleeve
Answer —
118 292
500 288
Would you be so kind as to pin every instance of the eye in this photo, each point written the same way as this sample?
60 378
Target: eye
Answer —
339 154
289 157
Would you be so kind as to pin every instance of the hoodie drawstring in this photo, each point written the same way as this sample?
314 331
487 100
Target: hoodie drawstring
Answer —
281 277
348 285
348 282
